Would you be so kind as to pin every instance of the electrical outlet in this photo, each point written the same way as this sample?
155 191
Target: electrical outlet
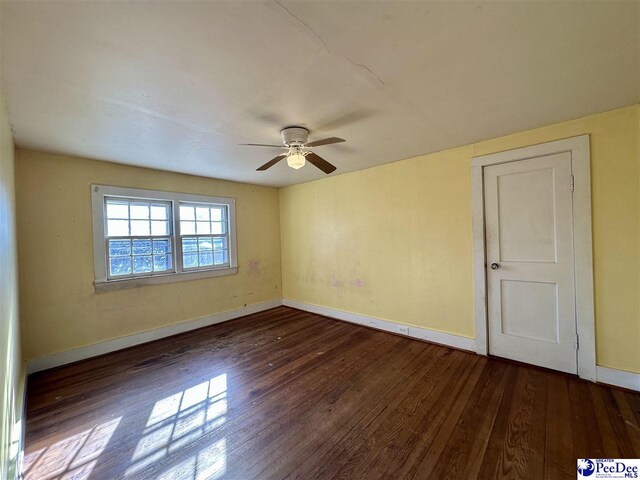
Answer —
403 330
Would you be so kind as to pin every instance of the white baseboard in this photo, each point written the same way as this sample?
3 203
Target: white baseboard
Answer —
618 378
82 353
447 339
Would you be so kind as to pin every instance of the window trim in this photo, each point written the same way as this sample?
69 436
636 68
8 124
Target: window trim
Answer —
101 280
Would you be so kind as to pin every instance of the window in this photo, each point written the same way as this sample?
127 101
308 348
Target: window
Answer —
146 236
139 241
203 235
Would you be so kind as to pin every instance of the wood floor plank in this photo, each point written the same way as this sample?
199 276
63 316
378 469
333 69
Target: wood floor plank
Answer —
520 456
289 394
629 419
625 445
559 460
583 422
634 404
395 380
397 428
446 419
465 449
334 414
605 428
491 460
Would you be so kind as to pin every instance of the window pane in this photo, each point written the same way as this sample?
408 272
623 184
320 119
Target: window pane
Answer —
187 228
217 228
140 227
203 228
161 263
117 228
219 243
220 257
190 260
189 244
159 228
202 213
142 247
159 212
206 258
117 209
186 213
205 243
216 214
119 248
140 211
142 264
119 266
161 246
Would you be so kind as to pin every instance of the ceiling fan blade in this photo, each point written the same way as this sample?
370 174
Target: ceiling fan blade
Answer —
270 163
260 145
320 162
326 141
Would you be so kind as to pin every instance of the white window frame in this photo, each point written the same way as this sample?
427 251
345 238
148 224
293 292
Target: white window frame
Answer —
103 283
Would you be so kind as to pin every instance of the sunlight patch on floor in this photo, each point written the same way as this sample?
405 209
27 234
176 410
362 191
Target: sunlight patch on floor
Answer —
179 420
74 457
208 464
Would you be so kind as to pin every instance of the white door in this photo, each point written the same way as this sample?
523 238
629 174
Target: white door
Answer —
530 261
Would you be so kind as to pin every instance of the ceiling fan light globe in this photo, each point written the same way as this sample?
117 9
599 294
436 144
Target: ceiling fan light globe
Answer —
296 160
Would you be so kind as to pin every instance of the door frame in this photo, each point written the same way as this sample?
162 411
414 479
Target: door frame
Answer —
578 147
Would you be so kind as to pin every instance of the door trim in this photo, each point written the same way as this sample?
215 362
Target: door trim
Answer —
578 147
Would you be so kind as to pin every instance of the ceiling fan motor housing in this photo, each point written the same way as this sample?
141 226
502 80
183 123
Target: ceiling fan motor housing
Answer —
294 136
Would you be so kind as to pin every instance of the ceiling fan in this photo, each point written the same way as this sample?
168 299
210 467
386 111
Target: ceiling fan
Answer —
294 140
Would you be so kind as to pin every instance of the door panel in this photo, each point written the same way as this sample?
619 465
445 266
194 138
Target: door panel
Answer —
523 303
526 216
529 238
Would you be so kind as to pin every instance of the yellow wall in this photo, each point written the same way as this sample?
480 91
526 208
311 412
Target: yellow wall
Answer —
392 242
395 241
60 309
11 367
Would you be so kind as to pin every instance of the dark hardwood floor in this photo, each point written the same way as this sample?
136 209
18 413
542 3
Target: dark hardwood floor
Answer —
288 394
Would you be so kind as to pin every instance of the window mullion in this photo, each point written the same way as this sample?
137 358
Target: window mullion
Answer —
198 246
177 235
106 256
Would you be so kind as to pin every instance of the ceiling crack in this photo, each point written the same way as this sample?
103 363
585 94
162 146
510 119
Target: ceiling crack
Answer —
306 26
326 48
367 69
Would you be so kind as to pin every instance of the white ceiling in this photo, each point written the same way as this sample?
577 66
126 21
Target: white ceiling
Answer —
177 85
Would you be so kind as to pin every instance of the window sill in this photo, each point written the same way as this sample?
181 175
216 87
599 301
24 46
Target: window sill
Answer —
108 286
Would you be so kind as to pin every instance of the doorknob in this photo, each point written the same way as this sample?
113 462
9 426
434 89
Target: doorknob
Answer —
495 266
